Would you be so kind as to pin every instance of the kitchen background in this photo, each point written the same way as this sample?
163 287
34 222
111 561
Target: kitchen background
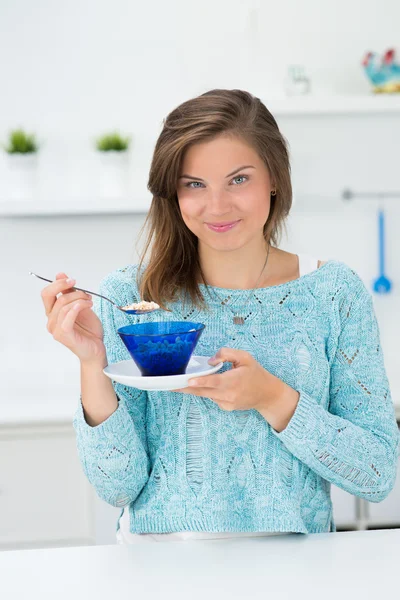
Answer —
73 71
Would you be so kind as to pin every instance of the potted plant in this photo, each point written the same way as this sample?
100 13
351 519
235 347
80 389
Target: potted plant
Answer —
22 154
112 150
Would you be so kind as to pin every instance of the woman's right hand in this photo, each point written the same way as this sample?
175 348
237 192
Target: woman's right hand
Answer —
72 322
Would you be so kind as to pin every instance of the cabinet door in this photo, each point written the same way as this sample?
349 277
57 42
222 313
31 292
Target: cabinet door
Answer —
45 498
106 517
344 512
387 512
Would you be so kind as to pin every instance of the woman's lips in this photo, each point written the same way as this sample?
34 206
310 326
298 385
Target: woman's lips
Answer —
221 227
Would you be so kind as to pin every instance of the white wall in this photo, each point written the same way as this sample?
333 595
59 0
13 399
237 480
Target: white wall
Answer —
72 70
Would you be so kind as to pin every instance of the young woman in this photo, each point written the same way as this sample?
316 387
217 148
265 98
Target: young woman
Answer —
303 399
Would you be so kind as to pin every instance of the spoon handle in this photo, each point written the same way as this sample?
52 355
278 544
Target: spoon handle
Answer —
76 288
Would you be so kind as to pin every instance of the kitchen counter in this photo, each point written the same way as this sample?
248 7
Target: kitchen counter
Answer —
349 565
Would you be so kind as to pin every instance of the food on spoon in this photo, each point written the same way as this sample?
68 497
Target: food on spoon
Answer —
142 305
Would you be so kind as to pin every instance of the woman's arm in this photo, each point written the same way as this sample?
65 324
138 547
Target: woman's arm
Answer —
355 443
110 422
97 393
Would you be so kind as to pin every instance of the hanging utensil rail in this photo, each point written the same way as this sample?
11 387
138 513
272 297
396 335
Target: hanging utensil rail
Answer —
348 194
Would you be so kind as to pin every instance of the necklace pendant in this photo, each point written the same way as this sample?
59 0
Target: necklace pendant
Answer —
238 320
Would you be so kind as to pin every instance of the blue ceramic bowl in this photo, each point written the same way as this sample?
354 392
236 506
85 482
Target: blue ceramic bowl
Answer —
161 348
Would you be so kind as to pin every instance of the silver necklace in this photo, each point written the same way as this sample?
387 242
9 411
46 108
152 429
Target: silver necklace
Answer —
237 319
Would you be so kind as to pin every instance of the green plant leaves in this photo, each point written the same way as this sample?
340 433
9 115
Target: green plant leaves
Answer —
21 142
112 141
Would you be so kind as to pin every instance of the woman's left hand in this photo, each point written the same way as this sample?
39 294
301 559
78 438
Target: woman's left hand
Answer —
247 385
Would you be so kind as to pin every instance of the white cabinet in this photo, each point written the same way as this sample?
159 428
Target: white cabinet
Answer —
45 498
344 507
106 517
356 513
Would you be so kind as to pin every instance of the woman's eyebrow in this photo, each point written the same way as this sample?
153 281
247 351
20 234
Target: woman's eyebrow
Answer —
230 174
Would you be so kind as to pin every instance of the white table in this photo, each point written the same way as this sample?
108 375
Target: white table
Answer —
327 566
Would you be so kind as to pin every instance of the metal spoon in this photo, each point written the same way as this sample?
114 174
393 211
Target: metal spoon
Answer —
124 310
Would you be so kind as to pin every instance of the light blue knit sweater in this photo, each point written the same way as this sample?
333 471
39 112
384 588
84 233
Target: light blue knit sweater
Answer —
182 463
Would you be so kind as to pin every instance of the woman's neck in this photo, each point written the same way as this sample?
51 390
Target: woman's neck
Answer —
237 269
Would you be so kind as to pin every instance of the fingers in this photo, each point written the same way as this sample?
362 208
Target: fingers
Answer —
207 384
49 293
236 357
208 381
62 305
201 392
67 317
202 386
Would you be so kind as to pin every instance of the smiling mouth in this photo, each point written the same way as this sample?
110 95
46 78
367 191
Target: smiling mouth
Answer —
224 226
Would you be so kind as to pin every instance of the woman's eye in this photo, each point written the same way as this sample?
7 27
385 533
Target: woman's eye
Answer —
242 177
195 184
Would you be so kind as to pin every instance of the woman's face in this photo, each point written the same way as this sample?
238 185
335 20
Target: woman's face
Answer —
224 193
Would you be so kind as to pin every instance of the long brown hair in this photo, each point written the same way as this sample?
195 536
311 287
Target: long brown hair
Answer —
173 267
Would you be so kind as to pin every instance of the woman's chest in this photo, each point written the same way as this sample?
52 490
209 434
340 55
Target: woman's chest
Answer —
291 344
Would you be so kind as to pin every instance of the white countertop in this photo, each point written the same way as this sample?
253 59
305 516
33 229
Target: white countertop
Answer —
347 565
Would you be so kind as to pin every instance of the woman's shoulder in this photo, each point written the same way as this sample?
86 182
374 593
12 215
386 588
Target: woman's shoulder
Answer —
343 278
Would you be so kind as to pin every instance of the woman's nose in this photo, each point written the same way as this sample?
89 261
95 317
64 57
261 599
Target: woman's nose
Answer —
219 203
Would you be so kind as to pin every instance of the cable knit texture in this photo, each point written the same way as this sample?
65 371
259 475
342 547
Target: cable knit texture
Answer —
183 464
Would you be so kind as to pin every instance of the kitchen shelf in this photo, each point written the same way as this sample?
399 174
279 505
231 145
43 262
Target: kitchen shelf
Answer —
69 207
324 105
312 105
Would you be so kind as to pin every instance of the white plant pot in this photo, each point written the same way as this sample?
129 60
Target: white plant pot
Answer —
22 175
113 174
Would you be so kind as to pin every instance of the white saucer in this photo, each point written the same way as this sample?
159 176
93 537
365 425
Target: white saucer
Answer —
127 373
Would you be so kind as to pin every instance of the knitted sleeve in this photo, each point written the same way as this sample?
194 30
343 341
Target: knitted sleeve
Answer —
354 443
114 453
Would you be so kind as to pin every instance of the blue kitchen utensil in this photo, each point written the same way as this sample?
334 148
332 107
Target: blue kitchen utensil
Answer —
161 348
382 285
